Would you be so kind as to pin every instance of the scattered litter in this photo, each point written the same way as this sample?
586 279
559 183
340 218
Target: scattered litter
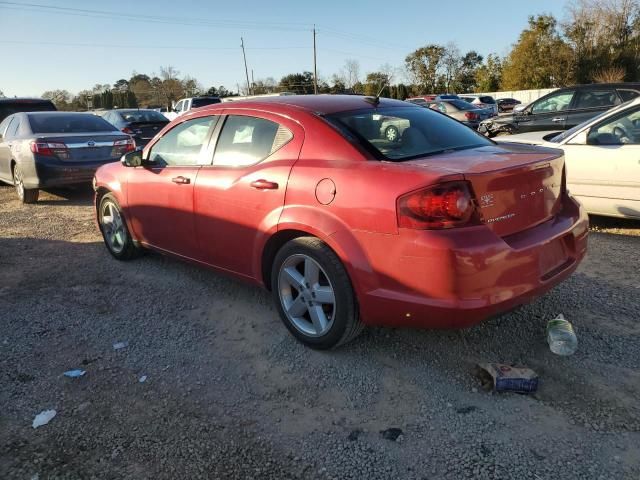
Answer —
505 378
142 379
120 345
391 434
561 337
353 436
43 418
74 373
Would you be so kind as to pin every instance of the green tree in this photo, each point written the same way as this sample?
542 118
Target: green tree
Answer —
466 80
540 58
375 81
424 65
403 91
489 74
300 83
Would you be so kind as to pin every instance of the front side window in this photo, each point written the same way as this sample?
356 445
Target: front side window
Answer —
623 129
420 132
553 103
183 144
178 107
247 140
596 99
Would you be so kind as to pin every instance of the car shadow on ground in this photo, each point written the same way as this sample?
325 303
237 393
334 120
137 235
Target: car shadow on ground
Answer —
74 196
597 222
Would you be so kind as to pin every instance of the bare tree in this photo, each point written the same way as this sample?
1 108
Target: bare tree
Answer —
451 63
351 72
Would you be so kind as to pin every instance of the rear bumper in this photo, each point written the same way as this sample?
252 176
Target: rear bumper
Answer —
56 173
452 279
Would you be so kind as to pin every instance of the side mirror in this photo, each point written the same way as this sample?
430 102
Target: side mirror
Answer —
132 159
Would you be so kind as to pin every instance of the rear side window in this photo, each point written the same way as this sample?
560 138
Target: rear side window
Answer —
201 102
247 140
627 95
68 123
596 99
418 132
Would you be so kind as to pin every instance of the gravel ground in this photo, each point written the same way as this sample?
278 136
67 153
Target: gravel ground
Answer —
230 394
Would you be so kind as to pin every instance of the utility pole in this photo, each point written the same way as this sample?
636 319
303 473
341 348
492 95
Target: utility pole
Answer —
253 82
315 65
246 70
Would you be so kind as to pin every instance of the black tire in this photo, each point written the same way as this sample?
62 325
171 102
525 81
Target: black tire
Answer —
25 195
392 133
125 249
346 324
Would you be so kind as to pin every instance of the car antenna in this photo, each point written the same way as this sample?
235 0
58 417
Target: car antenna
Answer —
375 101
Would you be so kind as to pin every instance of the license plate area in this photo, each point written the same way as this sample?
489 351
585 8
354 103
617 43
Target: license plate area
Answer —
553 258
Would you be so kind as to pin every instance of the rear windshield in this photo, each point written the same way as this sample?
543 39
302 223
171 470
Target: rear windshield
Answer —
488 100
143 116
69 123
201 102
400 134
462 105
9 108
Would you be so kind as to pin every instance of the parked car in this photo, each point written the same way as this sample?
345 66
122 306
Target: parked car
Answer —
482 101
303 196
422 99
562 109
54 149
141 124
9 106
507 104
602 156
186 104
462 111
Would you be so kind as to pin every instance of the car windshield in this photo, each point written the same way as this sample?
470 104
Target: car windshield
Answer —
201 102
142 116
405 133
462 105
68 123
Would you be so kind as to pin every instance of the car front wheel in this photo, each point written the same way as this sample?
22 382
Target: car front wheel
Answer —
391 133
113 227
314 295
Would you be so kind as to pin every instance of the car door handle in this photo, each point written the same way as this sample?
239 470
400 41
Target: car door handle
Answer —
264 185
181 180
558 119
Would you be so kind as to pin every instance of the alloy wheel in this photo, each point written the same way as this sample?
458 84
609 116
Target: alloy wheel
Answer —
113 226
307 295
18 181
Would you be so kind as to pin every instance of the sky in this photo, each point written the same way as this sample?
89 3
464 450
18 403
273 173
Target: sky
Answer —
67 44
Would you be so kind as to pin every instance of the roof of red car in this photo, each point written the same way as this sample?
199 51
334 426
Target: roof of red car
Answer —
321 104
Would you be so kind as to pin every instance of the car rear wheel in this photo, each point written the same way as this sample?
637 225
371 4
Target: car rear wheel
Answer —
26 195
314 295
391 133
113 227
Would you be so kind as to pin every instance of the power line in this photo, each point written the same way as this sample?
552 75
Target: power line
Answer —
160 47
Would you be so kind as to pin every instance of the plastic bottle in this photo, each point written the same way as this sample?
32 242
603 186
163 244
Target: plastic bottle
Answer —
561 337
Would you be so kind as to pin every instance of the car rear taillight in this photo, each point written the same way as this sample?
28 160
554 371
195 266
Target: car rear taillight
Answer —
127 130
471 116
445 205
120 147
50 149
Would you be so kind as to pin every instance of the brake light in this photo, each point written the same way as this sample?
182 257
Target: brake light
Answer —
127 130
50 149
471 116
120 147
446 205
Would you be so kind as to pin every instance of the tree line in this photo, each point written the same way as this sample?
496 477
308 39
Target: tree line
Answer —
598 41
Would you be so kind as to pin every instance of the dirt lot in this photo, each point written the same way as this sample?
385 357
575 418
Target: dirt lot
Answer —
230 394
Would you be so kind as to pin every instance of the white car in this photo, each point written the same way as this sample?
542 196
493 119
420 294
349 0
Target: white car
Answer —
185 104
602 157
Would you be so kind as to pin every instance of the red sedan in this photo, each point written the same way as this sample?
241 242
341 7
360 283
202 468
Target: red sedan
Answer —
307 197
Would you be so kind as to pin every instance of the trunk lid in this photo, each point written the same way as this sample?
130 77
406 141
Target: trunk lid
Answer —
516 187
87 147
146 130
